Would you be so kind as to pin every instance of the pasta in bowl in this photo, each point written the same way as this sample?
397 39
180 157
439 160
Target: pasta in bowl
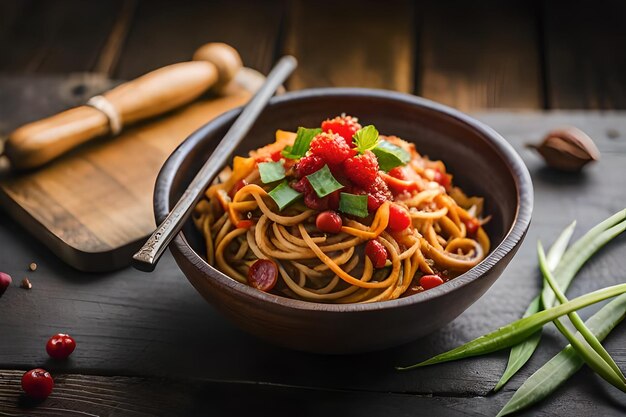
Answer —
463 155
340 214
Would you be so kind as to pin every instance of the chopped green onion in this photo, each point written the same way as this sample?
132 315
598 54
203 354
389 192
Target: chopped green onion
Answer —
284 195
595 356
521 353
353 204
271 171
520 329
366 138
301 144
390 156
323 182
567 362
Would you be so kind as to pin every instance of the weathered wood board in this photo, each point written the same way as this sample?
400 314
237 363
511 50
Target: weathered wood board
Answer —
93 206
149 344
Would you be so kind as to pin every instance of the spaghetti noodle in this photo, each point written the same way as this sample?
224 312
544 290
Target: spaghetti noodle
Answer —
340 215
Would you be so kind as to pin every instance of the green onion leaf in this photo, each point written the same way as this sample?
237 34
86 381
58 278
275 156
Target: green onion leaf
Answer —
594 355
353 204
284 195
366 138
519 330
390 156
301 144
573 259
567 362
271 171
521 353
323 182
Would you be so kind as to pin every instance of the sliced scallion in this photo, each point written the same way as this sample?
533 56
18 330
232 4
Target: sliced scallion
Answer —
353 204
271 171
323 182
283 195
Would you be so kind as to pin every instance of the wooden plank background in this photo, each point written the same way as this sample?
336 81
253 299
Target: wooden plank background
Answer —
471 55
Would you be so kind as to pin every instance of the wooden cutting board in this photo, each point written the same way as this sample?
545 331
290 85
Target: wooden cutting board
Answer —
93 207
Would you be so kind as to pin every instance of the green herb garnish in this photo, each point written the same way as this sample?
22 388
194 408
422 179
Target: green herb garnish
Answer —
353 204
284 195
323 182
271 171
390 156
301 144
366 138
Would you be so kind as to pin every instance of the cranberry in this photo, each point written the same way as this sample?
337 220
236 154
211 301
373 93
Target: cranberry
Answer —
430 281
37 383
329 222
5 281
398 172
263 275
376 252
399 218
60 346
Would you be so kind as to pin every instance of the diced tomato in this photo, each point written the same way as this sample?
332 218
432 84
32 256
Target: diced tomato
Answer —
442 179
244 224
472 225
377 253
430 281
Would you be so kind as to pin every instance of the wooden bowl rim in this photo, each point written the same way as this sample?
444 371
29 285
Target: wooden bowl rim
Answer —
514 163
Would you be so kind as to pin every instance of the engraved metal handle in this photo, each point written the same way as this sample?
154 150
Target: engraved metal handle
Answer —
148 256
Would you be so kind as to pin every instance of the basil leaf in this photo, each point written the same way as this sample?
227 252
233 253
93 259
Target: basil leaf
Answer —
271 171
366 138
323 182
390 156
284 195
353 204
301 143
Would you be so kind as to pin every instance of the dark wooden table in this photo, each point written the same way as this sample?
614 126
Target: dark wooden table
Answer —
149 344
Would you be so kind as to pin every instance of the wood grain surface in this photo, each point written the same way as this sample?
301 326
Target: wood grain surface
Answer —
93 206
337 48
495 63
150 344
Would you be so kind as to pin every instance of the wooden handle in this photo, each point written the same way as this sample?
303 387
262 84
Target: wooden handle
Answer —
154 93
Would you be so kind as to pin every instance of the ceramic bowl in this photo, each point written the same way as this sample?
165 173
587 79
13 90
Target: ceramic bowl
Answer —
482 162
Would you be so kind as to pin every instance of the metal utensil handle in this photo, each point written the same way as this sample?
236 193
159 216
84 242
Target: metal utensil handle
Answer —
148 256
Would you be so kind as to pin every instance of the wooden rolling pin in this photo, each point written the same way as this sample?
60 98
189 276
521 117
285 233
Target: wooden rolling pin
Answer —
159 91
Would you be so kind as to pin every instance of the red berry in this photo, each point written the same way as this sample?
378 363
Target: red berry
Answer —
276 155
377 194
399 218
329 222
263 275
344 126
430 281
5 281
362 169
398 172
442 179
331 148
60 346
376 252
472 225
37 383
308 165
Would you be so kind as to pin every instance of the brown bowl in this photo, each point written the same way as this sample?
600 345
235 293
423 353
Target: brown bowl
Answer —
482 162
